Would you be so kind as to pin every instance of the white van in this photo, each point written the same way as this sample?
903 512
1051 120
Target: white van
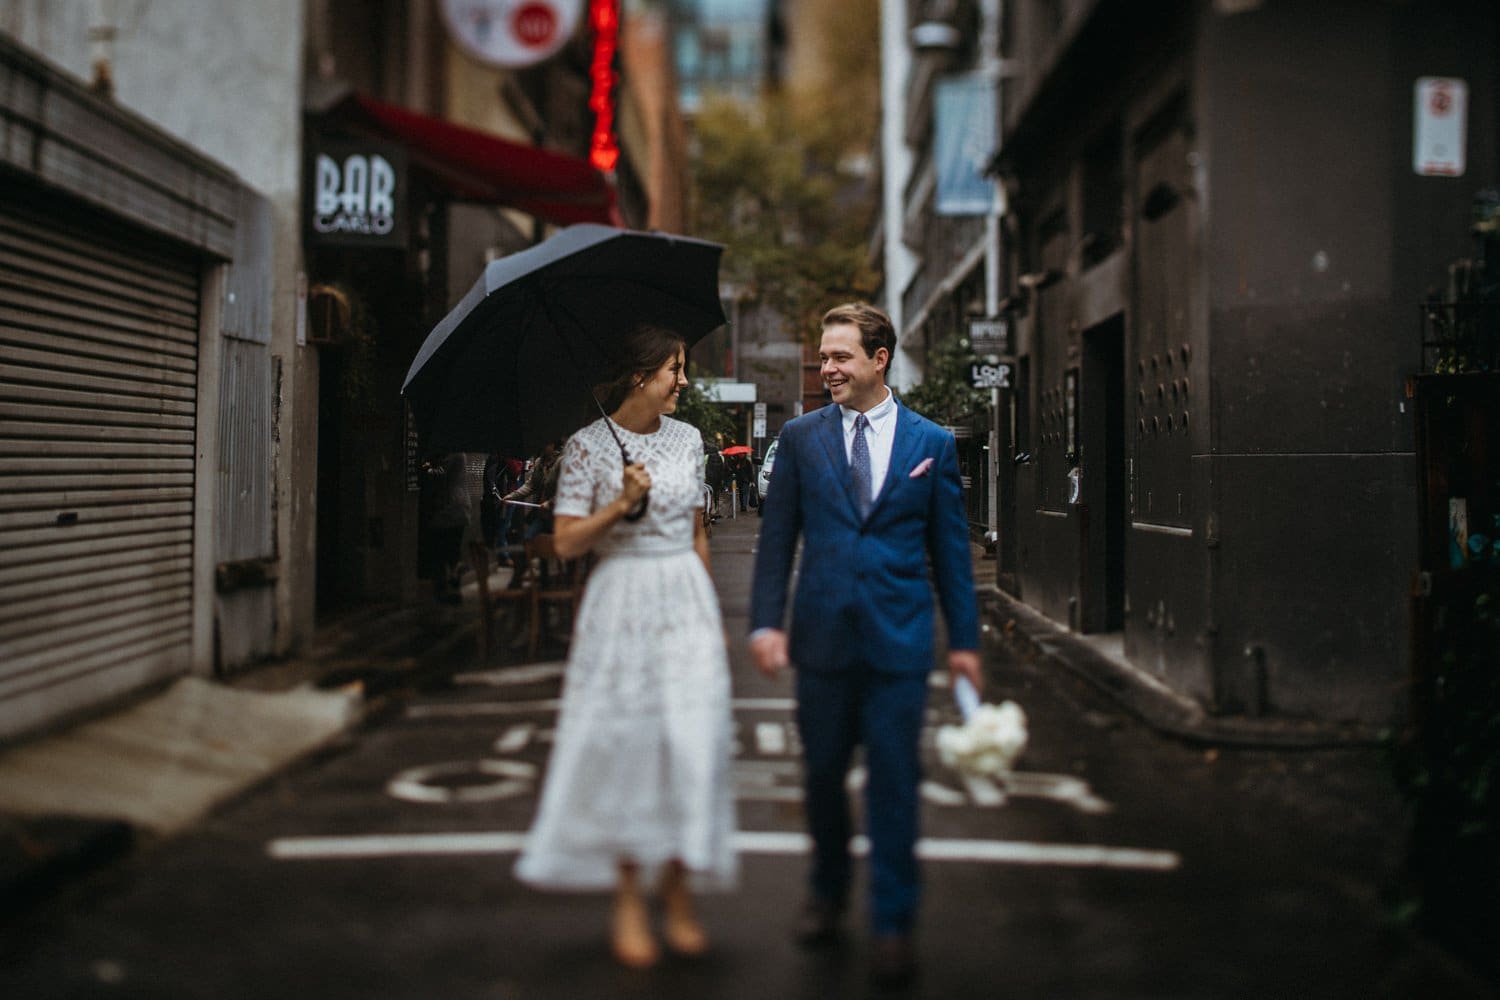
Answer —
763 481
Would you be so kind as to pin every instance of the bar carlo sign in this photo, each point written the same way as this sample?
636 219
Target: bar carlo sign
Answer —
356 193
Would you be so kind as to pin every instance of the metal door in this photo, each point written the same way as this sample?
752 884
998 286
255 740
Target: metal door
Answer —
98 385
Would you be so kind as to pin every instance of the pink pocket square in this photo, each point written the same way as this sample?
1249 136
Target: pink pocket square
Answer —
921 469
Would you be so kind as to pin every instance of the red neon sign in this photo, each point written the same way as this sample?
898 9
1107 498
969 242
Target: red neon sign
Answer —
604 18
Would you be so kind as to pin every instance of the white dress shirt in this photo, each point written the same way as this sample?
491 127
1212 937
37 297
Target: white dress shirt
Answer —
880 436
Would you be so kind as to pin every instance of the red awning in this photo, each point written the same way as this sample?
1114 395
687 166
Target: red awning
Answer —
478 166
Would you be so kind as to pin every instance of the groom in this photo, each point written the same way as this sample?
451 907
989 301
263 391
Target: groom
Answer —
874 492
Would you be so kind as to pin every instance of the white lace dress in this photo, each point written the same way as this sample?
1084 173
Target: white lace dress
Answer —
640 767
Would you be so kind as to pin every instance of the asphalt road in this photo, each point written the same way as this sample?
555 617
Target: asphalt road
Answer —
1120 865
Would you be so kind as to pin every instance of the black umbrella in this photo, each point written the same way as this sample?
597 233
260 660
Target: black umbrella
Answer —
512 366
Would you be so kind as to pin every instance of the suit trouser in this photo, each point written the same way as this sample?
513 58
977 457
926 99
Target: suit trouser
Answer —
836 711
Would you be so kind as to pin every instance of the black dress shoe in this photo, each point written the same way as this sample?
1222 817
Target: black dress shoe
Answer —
893 961
818 924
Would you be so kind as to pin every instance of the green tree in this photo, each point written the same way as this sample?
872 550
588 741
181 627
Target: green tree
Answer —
785 183
711 420
944 395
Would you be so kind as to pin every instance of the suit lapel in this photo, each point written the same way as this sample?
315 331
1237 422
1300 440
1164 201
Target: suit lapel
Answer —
904 447
831 434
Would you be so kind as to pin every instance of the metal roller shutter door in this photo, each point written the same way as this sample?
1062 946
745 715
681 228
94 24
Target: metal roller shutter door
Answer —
98 385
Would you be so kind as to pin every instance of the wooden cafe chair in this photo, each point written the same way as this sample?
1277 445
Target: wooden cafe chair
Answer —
559 584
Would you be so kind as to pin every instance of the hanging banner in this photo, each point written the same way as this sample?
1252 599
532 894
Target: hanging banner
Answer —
511 33
356 193
965 116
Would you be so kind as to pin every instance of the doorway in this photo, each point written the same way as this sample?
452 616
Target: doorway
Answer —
1103 487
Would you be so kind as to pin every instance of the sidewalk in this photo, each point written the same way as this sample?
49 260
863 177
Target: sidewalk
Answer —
81 797
1100 661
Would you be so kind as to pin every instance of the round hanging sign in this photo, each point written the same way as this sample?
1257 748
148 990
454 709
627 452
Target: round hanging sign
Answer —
511 33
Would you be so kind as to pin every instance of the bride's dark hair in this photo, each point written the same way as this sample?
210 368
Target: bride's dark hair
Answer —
647 348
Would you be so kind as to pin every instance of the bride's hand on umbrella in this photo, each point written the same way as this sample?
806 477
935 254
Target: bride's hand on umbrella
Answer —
636 485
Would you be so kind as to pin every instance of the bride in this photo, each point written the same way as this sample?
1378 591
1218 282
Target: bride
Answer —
638 787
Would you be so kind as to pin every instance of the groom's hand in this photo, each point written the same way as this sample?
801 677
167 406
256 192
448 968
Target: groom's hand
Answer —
768 648
965 663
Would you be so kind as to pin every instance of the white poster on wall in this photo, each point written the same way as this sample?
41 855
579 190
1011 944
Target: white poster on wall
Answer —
1441 124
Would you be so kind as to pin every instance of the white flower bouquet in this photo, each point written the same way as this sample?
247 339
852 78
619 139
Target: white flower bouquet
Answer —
988 742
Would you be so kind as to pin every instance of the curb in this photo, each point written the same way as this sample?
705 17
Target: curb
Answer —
1025 632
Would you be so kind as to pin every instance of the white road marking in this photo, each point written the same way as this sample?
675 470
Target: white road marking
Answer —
941 795
983 791
515 738
415 784
508 676
770 738
480 709
1065 788
471 710
1015 852
766 704
767 781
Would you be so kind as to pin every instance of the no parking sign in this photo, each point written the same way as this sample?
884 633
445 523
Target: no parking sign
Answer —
1442 113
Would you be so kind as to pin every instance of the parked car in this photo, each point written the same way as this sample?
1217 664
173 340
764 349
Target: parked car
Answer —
763 481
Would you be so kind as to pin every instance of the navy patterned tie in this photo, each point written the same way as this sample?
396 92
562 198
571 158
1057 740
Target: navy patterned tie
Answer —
859 463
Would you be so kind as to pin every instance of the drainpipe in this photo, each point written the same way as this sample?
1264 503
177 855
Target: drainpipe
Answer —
102 32
989 65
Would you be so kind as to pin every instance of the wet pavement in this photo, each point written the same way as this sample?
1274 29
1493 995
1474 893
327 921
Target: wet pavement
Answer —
1119 864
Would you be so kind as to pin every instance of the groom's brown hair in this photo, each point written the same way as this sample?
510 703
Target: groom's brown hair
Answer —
874 326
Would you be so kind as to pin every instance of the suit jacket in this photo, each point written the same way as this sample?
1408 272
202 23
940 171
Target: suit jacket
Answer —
864 594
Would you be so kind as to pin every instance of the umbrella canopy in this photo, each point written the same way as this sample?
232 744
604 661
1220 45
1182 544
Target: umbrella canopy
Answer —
511 367
738 449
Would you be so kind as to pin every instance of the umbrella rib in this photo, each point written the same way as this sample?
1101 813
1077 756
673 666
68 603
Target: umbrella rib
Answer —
547 305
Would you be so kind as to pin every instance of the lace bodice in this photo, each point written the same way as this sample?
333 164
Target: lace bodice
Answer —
592 473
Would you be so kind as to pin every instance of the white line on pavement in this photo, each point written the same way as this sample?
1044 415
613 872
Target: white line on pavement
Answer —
463 709
480 709
770 739
1014 852
507 676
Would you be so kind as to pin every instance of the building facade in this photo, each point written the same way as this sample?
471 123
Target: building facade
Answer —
227 229
149 502
1219 230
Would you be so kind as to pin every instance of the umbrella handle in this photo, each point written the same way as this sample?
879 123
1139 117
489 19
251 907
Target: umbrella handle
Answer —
640 508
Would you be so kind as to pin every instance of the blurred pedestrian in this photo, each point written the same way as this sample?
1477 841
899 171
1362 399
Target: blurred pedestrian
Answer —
501 476
743 475
862 619
638 786
448 524
539 488
714 475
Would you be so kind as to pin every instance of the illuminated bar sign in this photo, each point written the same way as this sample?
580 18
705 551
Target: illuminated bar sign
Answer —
604 18
356 194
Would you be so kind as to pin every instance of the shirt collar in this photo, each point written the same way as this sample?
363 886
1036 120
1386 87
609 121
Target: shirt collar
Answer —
876 415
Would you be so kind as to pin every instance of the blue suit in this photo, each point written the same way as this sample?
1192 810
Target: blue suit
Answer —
861 634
